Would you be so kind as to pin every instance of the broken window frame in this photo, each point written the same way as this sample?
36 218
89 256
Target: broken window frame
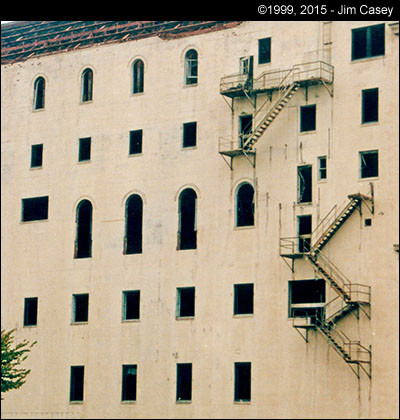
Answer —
83 239
137 76
187 231
77 384
35 209
309 302
185 302
243 299
87 85
242 383
133 239
135 142
308 121
302 185
131 305
368 42
129 383
191 67
189 137
184 380
369 99
39 90
264 50
245 208
30 312
364 164
322 168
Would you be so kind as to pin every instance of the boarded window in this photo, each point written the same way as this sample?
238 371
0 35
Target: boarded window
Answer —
185 306
138 76
83 241
304 230
369 164
304 184
308 118
77 382
84 149
87 86
133 225
131 305
80 307
191 64
245 205
135 142
129 382
189 134
36 155
368 41
242 381
243 299
183 382
322 168
306 298
370 105
36 208
38 96
187 235
30 312
264 50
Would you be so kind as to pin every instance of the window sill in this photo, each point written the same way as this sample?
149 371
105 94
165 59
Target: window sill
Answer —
134 95
322 181
22 222
308 203
130 321
80 323
29 326
244 227
189 148
368 124
302 133
185 85
128 402
82 162
372 178
360 60
182 318
242 402
76 402
183 402
35 168
86 102
243 315
38 110
135 154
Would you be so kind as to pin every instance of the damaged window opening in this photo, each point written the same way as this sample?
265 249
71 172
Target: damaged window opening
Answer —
131 305
306 298
77 382
80 307
39 90
369 164
36 208
264 50
245 128
304 184
87 85
189 134
304 230
322 168
242 381
245 205
183 382
135 142
129 382
370 105
187 234
368 42
138 76
83 241
84 149
133 225
243 299
30 312
308 118
191 64
36 155
185 304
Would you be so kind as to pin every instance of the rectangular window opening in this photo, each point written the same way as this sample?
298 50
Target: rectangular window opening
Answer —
369 164
131 305
304 226
36 208
322 168
264 50
129 382
308 118
77 383
368 42
84 149
80 310
370 105
36 155
183 382
245 128
306 298
30 312
242 381
189 134
243 299
135 142
185 302
304 184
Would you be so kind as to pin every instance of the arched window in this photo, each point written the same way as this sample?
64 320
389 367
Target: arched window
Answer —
191 63
245 205
83 242
133 225
38 93
138 76
87 85
187 235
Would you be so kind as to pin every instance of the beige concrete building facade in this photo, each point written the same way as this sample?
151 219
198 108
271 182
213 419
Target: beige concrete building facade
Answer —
261 242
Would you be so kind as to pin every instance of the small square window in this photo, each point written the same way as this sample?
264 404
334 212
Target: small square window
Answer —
308 118
322 168
370 105
30 312
77 383
183 382
131 305
369 164
185 302
264 50
242 381
368 222
36 208
80 310
189 134
84 149
36 155
129 382
135 142
243 299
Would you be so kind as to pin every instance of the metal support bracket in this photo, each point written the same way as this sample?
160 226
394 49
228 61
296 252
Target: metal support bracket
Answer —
330 91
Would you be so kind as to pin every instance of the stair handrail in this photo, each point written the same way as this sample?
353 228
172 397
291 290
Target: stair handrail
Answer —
334 307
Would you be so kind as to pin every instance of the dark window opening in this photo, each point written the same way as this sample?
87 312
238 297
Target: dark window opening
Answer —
245 205
87 85
304 184
246 72
242 381
39 89
183 382
306 298
77 380
133 225
368 42
264 50
304 232
189 134
370 105
191 67
131 305
308 118
129 382
322 168
245 128
185 302
80 308
83 242
30 312
36 155
368 222
135 142
138 76
187 235
243 299
369 164
36 208
84 149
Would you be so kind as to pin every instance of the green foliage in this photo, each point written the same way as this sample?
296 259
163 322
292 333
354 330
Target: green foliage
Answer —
12 376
